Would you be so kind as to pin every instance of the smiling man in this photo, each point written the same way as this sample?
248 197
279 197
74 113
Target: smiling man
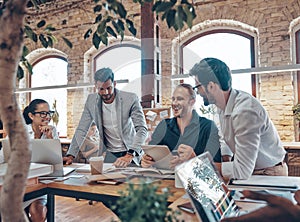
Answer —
187 132
119 118
245 124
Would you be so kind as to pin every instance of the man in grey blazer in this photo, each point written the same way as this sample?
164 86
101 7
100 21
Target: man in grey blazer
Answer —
119 118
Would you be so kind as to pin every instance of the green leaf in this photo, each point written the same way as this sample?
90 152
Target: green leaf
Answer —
101 27
98 18
122 35
20 73
28 66
50 41
111 31
171 18
162 6
50 28
121 10
116 26
25 51
43 40
88 33
96 40
97 8
35 3
30 33
104 39
181 13
155 5
68 42
131 27
190 13
41 23
111 1
121 24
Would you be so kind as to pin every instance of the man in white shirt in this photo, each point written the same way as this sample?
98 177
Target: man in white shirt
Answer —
244 122
119 118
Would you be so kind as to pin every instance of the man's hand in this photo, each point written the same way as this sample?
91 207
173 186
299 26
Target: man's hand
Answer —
123 161
185 152
278 209
68 160
147 161
175 161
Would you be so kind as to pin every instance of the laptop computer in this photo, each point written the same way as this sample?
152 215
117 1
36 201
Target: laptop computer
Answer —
46 151
206 189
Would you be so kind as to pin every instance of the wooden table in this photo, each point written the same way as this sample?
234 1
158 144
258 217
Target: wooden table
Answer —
80 188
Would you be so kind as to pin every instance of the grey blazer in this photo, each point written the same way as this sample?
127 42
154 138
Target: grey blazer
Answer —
132 123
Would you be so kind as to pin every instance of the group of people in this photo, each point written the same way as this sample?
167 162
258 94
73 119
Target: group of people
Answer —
245 127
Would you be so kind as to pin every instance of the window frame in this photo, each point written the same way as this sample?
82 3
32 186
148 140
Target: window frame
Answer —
229 31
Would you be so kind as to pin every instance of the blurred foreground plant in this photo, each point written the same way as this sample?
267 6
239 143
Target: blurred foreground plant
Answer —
143 203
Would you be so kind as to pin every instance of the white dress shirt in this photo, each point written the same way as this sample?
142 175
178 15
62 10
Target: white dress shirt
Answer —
250 134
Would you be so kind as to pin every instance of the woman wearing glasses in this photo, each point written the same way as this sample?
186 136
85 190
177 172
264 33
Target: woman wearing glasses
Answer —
37 116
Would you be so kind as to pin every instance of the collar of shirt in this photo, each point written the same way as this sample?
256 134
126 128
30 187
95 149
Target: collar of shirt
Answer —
194 121
230 102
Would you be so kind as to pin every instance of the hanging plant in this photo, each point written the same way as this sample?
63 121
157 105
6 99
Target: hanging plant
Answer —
55 117
296 111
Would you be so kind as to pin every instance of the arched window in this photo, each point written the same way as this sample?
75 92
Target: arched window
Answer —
125 61
233 47
51 71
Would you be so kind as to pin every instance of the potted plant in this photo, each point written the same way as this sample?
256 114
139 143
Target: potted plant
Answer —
142 203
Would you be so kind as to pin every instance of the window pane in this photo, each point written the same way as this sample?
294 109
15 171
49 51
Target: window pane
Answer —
233 49
125 61
50 72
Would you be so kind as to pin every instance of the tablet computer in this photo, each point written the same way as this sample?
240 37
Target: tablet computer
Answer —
161 154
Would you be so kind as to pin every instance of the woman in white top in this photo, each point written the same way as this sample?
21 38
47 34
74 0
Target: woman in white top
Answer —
37 116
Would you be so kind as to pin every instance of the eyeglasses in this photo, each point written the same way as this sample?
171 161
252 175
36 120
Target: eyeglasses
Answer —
44 114
197 86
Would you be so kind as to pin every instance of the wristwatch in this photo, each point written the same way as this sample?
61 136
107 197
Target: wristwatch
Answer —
131 152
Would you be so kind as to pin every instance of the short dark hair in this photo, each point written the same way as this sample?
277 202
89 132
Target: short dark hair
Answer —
103 75
189 88
212 70
31 109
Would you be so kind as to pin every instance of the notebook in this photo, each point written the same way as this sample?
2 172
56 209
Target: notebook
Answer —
161 154
46 151
206 189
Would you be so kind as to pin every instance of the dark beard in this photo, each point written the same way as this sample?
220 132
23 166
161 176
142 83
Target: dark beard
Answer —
206 102
106 97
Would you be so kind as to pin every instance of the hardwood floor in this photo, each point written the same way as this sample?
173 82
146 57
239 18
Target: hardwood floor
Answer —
70 210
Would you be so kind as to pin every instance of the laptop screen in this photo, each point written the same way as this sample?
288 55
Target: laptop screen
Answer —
206 189
46 151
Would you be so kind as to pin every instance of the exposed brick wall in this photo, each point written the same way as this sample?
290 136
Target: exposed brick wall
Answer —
72 18
271 22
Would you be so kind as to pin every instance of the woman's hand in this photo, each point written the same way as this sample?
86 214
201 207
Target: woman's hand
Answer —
47 130
147 161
